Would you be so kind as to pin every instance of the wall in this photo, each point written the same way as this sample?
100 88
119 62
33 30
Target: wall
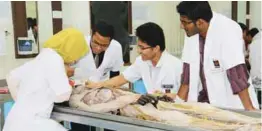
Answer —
255 14
31 9
8 61
223 7
241 11
76 14
164 14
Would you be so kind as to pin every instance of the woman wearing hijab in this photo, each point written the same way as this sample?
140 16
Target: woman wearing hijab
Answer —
43 81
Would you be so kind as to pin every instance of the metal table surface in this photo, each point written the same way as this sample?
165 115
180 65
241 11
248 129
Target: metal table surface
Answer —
121 123
113 122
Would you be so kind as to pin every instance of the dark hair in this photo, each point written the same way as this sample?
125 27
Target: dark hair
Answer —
34 22
104 29
152 34
243 26
195 10
31 22
252 32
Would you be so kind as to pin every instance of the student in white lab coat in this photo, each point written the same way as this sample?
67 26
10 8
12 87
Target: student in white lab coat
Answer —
104 60
214 66
105 57
255 58
37 84
159 70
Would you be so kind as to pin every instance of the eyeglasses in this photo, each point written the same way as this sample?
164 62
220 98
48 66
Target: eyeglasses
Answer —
185 23
104 46
144 48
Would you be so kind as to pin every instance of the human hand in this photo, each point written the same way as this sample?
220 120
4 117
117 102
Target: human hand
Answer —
69 70
166 98
144 99
171 95
91 84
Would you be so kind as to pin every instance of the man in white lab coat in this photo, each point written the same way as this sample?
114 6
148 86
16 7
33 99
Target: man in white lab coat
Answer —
255 62
105 58
159 70
214 66
102 62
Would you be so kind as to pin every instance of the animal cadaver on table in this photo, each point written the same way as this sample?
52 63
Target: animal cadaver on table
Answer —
101 99
196 115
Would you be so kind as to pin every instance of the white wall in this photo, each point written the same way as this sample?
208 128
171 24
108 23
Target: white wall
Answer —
223 7
45 22
8 61
76 14
31 9
164 14
255 14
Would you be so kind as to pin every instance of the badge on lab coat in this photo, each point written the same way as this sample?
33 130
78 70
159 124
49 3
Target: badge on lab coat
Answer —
216 63
167 87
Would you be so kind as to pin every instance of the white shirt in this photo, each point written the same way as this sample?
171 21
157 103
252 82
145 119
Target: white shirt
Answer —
35 86
112 61
166 74
255 56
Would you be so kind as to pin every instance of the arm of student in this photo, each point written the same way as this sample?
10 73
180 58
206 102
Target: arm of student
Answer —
112 83
184 87
238 77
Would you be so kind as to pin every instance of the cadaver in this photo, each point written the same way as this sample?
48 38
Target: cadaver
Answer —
196 115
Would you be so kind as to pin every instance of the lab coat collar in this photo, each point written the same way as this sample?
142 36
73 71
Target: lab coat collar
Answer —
160 62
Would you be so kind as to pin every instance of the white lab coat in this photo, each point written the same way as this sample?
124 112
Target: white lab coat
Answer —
255 56
223 44
112 61
30 35
35 86
166 73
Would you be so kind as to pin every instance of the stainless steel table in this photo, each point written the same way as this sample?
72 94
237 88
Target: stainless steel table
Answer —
121 123
113 122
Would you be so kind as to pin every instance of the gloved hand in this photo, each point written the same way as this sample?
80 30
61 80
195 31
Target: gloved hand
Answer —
144 99
165 98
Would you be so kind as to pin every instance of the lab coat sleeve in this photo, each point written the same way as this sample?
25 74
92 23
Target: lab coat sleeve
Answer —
82 71
178 74
132 73
57 79
119 59
13 80
187 49
232 48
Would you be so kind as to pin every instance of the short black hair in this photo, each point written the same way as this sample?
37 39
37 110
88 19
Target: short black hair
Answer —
152 34
34 22
195 10
252 32
31 22
104 29
243 26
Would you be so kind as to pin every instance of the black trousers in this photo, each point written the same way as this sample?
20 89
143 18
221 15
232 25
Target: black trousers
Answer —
81 127
76 126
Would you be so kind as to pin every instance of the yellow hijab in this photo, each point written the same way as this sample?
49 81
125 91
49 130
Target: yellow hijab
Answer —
69 43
